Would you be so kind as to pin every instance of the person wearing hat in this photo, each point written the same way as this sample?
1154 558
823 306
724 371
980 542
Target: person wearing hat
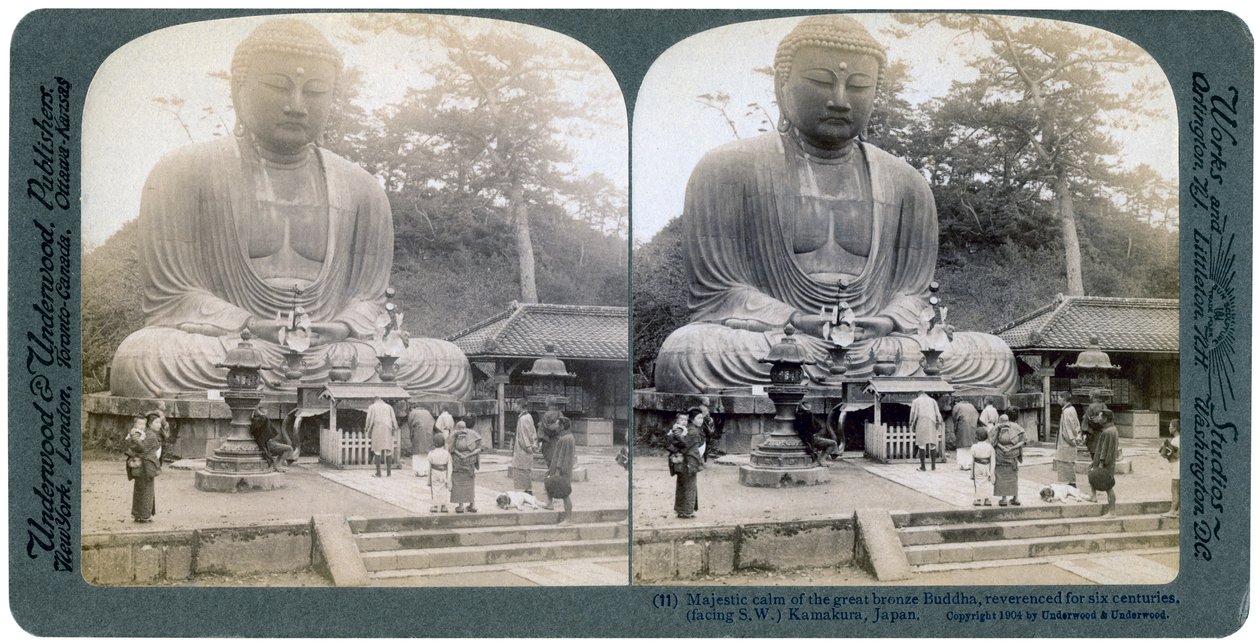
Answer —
1102 469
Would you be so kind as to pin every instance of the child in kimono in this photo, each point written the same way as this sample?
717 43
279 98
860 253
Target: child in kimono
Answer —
439 474
982 459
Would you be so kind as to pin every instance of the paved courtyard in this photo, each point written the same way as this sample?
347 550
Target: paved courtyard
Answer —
310 489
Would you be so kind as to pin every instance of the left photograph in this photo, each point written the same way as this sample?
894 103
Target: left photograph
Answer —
354 306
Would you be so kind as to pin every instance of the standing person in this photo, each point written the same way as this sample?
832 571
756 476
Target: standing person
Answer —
143 465
439 474
989 419
445 425
1008 446
965 418
559 481
1171 450
925 419
1102 469
549 430
711 434
523 446
420 424
166 453
1068 440
382 427
982 467
465 461
685 462
1090 430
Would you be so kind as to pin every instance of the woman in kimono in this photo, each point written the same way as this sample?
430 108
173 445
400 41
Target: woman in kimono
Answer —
685 462
445 425
1008 446
559 481
465 461
1067 442
143 465
982 467
523 453
439 474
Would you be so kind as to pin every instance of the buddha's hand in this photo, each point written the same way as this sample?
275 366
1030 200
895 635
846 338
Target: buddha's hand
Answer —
808 323
264 329
198 328
872 327
329 332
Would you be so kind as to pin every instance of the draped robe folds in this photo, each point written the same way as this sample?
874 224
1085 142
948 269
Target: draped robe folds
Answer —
196 271
743 272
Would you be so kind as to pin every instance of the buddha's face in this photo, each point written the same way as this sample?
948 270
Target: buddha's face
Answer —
828 95
285 99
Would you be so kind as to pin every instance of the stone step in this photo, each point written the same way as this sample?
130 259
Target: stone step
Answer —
1060 560
1038 547
1030 528
1026 512
524 569
427 558
487 517
485 536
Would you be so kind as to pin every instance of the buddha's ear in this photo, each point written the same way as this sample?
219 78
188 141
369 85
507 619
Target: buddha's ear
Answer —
783 124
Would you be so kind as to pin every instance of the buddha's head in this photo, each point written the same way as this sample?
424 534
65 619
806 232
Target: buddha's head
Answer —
284 76
825 74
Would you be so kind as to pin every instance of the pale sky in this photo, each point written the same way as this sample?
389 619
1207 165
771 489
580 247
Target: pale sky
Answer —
125 132
672 130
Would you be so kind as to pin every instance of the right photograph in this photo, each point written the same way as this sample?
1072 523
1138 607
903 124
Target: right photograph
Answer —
905 306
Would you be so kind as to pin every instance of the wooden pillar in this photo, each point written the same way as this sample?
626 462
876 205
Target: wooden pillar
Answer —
500 382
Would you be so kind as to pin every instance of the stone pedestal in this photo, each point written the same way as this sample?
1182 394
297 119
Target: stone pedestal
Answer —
782 460
235 467
238 465
593 432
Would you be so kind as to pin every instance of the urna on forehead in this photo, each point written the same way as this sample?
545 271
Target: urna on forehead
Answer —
284 36
830 32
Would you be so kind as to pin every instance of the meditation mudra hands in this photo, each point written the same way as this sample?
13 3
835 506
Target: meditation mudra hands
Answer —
865 328
321 332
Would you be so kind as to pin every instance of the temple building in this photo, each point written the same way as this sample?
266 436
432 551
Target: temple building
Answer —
592 342
1140 336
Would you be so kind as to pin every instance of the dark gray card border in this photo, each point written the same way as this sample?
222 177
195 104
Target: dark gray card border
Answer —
1213 594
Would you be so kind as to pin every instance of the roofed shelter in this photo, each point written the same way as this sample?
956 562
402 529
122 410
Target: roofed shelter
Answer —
593 343
1141 336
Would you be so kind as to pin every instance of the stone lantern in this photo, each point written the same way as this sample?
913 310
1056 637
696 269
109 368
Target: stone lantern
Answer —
238 465
782 460
1093 368
550 375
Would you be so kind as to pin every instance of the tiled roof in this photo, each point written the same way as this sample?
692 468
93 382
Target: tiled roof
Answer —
1121 324
524 330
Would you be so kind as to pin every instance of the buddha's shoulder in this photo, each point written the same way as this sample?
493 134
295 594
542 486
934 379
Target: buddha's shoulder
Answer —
893 166
352 171
195 158
739 158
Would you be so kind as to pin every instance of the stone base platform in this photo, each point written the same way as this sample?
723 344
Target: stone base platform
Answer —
593 432
756 476
746 417
208 481
201 424
539 474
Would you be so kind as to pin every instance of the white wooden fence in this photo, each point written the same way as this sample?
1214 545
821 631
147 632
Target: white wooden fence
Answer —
894 443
